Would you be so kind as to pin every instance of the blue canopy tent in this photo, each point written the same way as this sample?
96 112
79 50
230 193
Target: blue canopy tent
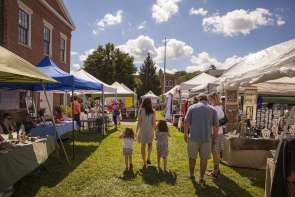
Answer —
67 82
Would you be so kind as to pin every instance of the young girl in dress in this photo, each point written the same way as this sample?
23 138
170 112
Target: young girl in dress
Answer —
162 135
128 138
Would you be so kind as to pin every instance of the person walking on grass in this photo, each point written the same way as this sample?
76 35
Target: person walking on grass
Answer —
162 135
128 138
145 129
201 119
217 145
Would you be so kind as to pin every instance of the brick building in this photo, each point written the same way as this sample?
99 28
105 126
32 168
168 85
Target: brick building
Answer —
34 29
170 80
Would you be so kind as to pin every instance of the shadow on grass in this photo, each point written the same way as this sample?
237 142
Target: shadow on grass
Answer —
151 176
55 169
128 175
256 177
225 187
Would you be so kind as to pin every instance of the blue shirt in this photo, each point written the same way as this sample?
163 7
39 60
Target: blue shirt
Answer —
202 118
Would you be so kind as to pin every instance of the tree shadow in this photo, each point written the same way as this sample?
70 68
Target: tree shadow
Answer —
225 187
152 176
55 169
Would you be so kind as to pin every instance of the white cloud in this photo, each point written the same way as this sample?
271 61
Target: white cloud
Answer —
280 21
76 67
169 71
238 22
191 69
85 54
142 25
108 20
200 11
175 49
203 60
142 45
74 53
164 9
139 48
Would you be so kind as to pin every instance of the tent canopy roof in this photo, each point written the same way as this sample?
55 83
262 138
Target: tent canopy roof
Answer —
122 89
14 69
66 81
271 63
82 74
150 94
201 79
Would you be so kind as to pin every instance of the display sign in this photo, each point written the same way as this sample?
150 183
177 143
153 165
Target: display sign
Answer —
250 103
128 102
232 108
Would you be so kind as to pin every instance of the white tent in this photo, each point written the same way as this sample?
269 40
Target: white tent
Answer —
122 89
199 80
175 92
150 94
272 63
280 87
82 74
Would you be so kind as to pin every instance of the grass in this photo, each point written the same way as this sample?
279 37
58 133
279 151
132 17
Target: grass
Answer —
98 171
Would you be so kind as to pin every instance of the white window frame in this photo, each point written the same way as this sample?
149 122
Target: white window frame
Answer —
63 36
50 27
30 12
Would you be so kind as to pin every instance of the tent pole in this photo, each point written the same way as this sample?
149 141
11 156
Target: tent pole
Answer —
73 122
54 126
103 119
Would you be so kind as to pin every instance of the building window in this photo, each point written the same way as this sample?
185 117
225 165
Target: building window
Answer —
46 40
24 24
23 27
62 50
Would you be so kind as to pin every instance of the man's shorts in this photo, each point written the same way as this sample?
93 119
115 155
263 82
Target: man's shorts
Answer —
202 148
218 146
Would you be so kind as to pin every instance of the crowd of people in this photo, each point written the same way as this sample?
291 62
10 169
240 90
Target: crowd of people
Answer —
203 133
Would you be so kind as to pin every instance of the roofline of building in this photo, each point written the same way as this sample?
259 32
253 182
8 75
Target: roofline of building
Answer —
71 25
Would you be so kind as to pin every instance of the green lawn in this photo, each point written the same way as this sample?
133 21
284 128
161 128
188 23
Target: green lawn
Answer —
98 171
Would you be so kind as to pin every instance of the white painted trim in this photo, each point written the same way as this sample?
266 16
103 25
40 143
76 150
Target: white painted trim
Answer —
24 7
57 14
63 36
66 12
50 27
30 12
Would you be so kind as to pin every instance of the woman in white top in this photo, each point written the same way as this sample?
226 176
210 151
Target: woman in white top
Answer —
145 129
217 144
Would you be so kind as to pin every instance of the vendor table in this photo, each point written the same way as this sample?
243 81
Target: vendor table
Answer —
270 169
23 159
44 130
247 157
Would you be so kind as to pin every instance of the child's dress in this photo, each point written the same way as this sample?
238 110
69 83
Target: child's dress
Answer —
127 146
162 144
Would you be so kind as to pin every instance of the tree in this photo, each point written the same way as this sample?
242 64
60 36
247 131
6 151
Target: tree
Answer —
109 64
149 78
182 76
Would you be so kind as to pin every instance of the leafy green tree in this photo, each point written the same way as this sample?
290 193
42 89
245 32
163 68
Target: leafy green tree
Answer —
149 78
182 76
109 64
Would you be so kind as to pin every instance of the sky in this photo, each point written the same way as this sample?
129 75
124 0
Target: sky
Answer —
199 32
